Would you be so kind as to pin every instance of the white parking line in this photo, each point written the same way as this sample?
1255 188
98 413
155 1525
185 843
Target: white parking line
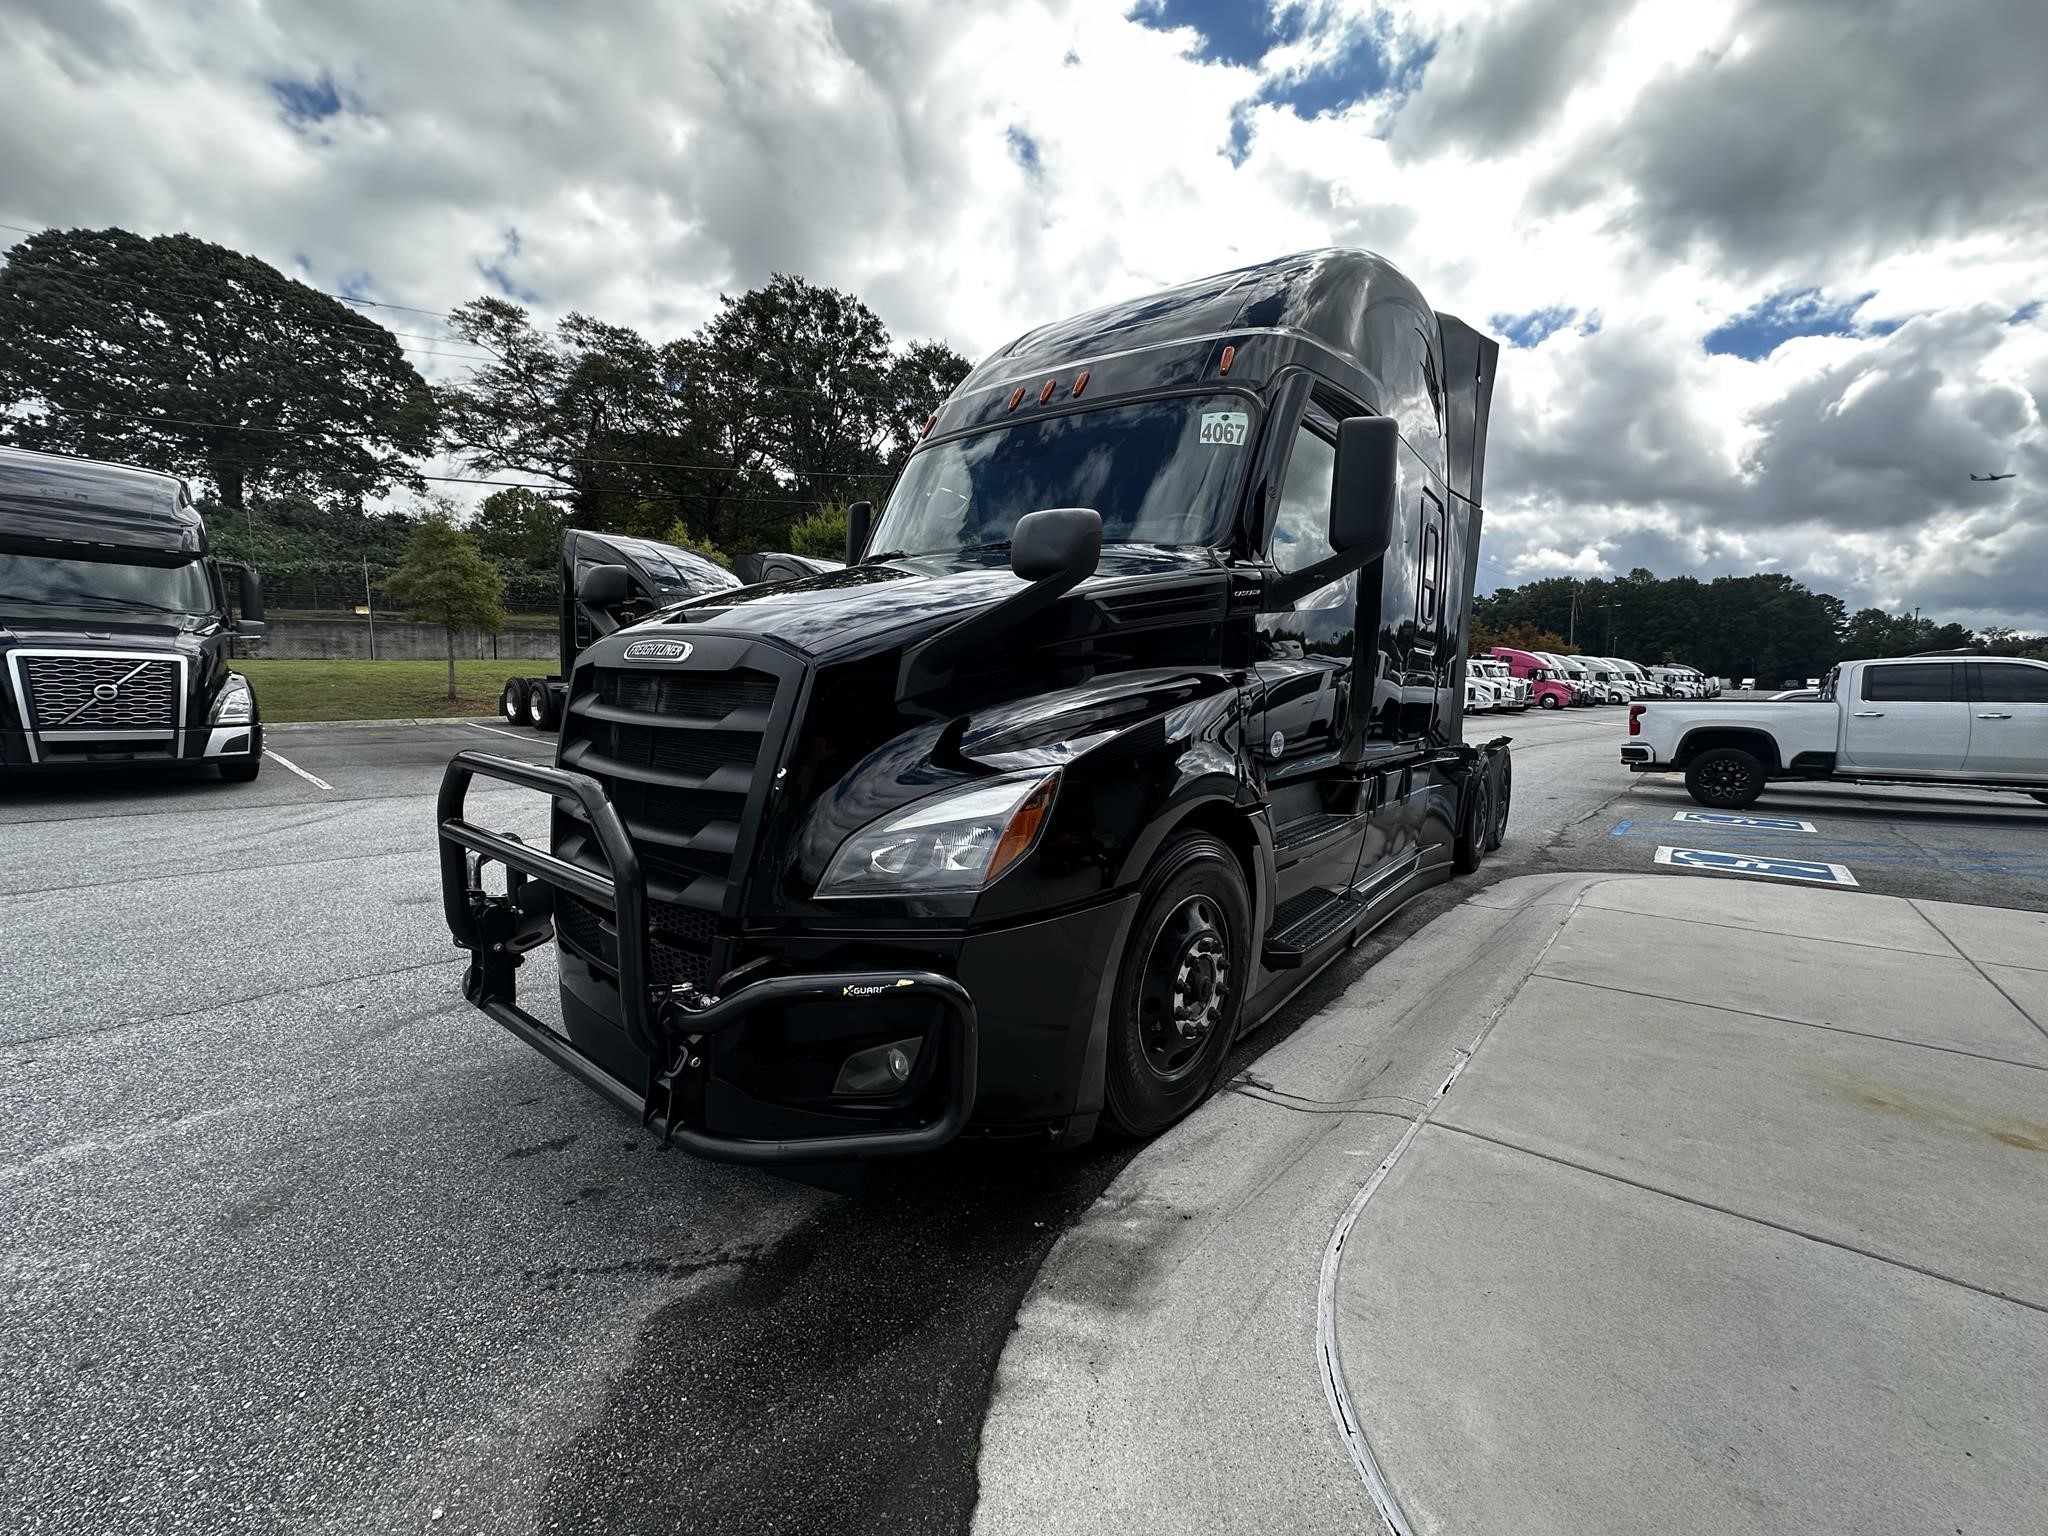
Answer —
313 779
500 731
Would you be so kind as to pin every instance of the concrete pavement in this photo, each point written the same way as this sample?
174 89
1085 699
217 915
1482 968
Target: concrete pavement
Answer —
1603 1204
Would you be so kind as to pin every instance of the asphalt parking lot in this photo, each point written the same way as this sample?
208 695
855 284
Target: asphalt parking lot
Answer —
298 1241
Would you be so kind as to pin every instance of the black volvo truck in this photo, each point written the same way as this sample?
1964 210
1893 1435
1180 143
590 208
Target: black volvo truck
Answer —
115 626
1142 699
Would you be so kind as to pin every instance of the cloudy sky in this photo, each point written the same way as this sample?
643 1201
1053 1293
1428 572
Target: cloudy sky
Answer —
1770 274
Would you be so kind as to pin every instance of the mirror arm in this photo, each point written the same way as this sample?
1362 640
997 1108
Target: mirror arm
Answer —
1283 592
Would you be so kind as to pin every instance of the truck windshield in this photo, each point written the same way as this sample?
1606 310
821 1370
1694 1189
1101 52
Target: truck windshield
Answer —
44 581
1159 472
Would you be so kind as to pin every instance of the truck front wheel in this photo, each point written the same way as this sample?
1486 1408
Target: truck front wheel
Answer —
512 701
1725 778
1179 987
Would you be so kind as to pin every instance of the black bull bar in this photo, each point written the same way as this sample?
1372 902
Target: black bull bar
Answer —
666 1028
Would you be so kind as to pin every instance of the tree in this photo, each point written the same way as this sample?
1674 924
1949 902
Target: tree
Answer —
520 526
822 535
444 579
184 356
678 533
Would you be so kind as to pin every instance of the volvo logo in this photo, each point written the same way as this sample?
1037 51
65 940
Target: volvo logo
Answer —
658 650
106 693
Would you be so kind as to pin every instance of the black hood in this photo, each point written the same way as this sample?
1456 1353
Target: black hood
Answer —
88 630
843 614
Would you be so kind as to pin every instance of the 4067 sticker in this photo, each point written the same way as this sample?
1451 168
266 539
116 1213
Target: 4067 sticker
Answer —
1226 429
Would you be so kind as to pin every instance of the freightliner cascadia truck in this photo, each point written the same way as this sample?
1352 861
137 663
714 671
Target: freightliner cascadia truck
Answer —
115 628
1140 700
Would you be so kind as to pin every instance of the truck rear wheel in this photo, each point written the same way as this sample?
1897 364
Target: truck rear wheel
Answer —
1473 837
542 706
1180 986
1498 833
1725 778
512 701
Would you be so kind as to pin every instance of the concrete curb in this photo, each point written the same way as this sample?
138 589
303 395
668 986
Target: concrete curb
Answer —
1176 1313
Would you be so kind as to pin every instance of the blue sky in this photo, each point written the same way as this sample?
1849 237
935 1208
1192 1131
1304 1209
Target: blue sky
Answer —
1751 319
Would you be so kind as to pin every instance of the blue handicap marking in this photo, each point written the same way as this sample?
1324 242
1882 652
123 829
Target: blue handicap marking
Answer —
1811 870
1754 823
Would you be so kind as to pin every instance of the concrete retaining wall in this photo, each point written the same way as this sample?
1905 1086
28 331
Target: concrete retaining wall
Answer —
340 639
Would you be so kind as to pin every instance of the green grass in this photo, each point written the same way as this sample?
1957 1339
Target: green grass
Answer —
379 690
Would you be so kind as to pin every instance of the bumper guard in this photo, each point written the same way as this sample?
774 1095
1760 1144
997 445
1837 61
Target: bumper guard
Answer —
667 1026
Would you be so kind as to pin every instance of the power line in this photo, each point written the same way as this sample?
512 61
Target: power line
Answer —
225 426
369 328
892 401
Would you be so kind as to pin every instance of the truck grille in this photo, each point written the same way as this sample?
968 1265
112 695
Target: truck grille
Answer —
678 755
101 693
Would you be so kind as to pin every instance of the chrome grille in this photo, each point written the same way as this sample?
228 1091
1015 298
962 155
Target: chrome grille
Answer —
101 693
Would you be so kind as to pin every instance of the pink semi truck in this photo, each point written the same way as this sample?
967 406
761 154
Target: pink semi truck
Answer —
1545 686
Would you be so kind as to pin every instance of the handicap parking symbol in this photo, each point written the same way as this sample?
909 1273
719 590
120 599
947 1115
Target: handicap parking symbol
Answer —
1813 871
1749 823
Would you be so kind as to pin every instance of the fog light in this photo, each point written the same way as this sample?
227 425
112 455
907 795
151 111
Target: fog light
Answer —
879 1069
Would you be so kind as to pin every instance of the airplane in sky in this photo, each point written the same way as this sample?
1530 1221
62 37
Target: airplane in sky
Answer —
1991 477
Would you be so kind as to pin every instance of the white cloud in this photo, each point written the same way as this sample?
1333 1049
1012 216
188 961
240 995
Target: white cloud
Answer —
1649 171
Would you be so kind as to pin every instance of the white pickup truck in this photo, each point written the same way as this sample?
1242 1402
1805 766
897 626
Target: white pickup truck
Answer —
1975 720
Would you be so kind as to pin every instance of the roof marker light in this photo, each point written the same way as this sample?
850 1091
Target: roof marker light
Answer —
1045 394
1229 357
1081 381
1018 398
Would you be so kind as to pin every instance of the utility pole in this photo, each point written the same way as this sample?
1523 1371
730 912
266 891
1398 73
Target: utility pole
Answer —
370 607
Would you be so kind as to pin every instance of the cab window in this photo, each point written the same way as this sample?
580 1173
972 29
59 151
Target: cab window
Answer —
1925 682
1301 528
2011 682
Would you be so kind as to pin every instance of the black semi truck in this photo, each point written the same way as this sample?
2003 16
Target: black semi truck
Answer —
641 576
115 628
1142 699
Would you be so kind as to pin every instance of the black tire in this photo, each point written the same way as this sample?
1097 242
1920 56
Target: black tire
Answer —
1550 701
1725 778
512 701
1476 830
1503 803
1180 986
543 709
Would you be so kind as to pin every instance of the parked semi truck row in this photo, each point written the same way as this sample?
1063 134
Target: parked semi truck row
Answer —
115 625
1141 700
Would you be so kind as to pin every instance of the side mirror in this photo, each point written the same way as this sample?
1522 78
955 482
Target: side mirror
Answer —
604 586
1058 542
860 517
1362 488
251 585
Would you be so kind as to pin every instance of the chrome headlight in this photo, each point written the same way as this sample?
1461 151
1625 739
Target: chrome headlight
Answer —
957 842
237 702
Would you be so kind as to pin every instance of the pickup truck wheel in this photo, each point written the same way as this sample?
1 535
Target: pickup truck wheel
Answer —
1725 778
1473 836
512 701
1180 986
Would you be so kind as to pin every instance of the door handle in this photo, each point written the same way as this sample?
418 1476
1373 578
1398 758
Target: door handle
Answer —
1869 714
1994 717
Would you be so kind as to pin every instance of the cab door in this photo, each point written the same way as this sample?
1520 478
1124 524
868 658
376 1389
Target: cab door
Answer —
1305 662
2008 720
1909 717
